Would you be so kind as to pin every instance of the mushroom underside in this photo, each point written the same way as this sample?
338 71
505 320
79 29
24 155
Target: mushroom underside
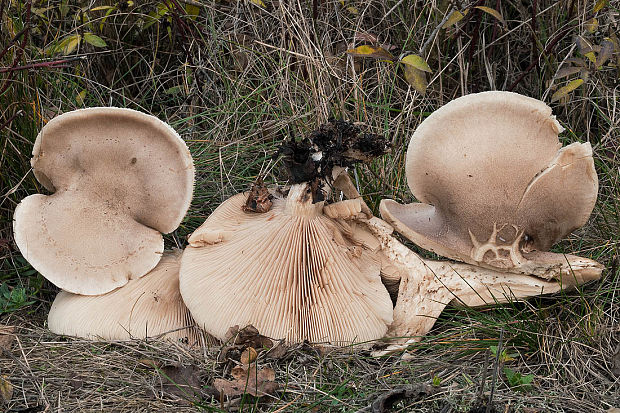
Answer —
148 307
290 272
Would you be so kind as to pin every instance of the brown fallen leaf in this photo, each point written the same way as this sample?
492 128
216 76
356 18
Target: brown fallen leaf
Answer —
252 381
7 336
6 389
183 382
277 352
247 337
259 199
248 356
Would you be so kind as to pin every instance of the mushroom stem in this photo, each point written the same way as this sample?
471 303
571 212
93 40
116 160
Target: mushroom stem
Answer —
427 286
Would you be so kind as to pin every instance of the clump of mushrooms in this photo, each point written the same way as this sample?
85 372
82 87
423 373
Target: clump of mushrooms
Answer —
119 179
487 166
497 190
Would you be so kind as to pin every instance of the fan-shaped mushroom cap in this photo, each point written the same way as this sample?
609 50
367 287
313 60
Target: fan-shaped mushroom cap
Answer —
290 272
495 186
120 178
150 306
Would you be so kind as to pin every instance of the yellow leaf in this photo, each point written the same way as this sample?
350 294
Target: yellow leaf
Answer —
101 8
416 78
6 389
492 12
417 62
79 98
599 5
259 3
455 17
591 25
370 51
591 56
69 44
565 90
192 11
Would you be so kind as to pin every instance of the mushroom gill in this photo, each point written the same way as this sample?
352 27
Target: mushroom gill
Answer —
291 272
150 306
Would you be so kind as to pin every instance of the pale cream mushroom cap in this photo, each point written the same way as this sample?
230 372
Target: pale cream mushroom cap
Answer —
494 183
290 272
150 306
120 177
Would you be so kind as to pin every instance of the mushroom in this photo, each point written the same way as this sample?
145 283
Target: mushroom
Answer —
150 306
119 179
292 272
496 188
424 287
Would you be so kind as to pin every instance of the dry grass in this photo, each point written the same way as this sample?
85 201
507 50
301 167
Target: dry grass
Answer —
237 81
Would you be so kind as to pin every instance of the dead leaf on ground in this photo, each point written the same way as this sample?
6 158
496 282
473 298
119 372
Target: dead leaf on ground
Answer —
277 352
248 337
248 356
7 336
6 389
259 199
183 382
253 381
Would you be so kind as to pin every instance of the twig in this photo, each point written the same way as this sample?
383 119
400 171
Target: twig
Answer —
495 369
435 31
13 40
53 63
485 373
534 29
547 50
5 124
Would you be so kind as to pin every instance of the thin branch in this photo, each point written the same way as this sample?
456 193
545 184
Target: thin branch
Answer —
435 31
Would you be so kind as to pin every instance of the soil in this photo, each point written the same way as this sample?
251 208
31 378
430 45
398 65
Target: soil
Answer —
336 143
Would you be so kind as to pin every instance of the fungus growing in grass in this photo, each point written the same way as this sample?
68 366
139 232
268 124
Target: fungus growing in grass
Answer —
292 272
119 179
495 186
150 306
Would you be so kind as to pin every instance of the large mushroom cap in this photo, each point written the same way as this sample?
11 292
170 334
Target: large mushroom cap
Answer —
150 306
493 181
120 177
290 272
